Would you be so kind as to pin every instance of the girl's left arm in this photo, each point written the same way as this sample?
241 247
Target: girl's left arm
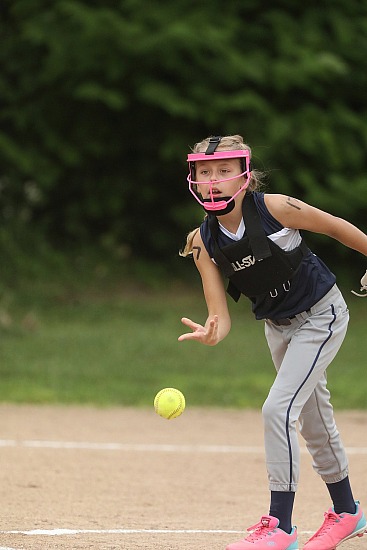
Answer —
296 214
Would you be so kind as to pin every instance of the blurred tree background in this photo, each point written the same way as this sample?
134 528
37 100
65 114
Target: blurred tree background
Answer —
101 101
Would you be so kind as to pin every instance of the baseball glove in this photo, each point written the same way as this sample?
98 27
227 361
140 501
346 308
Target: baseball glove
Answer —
363 287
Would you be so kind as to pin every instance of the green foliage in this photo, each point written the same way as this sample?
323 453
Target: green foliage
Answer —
101 101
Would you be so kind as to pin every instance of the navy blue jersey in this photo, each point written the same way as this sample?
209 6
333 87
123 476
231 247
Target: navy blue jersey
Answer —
311 282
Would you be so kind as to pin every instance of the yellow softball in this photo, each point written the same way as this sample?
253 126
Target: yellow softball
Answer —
169 403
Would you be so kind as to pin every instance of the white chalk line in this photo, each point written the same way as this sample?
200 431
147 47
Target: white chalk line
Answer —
68 532
129 447
149 447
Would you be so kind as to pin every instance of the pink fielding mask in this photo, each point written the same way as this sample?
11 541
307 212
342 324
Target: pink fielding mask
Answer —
214 204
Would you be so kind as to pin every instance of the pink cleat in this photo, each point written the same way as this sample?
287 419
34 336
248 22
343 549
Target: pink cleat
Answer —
336 529
266 535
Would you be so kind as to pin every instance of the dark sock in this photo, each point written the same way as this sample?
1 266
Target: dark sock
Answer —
342 497
281 507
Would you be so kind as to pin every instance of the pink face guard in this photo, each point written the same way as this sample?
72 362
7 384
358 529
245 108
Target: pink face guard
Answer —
214 204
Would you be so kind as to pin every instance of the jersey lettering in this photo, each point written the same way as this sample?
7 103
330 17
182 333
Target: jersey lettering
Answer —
246 262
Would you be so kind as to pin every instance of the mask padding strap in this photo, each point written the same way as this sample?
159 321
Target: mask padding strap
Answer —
213 144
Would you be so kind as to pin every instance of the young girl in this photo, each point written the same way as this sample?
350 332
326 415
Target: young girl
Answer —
254 240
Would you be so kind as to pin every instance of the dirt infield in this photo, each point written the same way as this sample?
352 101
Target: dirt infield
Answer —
82 477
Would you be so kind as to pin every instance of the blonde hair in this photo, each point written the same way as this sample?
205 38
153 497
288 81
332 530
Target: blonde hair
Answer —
232 143
187 249
227 143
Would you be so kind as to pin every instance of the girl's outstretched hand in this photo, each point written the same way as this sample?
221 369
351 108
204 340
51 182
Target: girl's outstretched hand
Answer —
207 334
363 287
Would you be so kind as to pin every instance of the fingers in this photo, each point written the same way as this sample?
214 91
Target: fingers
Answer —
206 335
212 333
363 287
188 336
214 322
190 323
195 327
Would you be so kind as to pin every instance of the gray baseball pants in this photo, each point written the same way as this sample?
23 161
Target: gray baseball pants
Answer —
301 352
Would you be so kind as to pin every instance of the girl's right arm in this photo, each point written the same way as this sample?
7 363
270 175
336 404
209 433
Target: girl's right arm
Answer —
218 323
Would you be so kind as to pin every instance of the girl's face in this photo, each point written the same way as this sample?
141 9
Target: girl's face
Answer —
210 172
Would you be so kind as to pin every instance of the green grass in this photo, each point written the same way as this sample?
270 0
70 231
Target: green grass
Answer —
120 347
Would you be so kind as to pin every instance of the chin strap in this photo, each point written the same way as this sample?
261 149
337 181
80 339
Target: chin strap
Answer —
226 207
363 287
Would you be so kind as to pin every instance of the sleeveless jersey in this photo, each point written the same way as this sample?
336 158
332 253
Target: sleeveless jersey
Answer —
311 282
